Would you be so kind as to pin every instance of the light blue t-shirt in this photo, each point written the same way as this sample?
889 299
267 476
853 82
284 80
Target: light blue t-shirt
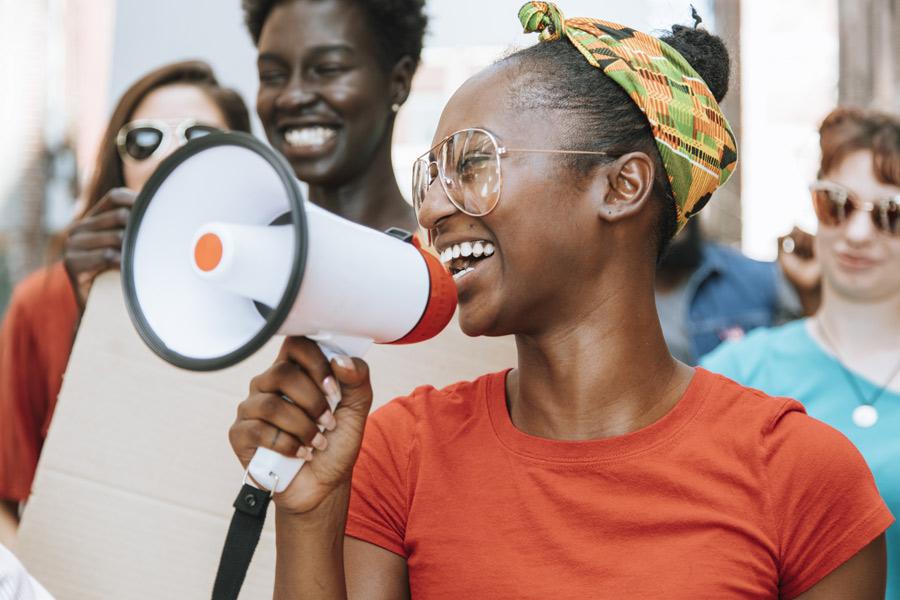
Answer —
787 361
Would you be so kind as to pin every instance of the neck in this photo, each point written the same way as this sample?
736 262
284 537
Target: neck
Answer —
603 372
372 198
862 336
859 328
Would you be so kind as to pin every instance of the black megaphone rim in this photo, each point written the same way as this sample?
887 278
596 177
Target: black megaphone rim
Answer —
277 316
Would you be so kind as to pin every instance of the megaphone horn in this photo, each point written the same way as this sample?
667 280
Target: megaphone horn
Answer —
221 253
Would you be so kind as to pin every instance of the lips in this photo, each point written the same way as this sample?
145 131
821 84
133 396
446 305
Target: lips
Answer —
855 262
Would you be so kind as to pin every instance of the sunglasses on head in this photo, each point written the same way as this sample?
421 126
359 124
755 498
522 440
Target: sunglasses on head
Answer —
467 163
144 138
834 204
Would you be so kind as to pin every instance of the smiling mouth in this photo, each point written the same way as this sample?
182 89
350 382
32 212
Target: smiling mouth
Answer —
461 258
308 138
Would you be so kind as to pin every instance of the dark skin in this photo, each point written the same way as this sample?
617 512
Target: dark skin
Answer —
569 332
319 67
94 242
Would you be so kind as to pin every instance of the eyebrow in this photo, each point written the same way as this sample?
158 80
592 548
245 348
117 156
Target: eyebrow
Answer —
314 50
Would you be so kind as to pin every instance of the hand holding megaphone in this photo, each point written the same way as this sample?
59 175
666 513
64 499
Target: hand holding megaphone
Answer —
266 421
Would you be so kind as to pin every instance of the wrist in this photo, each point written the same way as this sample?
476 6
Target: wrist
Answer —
331 510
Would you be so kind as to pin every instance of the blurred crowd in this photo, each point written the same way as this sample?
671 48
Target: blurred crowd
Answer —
821 324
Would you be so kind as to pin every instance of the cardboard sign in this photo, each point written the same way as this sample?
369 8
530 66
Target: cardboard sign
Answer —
134 488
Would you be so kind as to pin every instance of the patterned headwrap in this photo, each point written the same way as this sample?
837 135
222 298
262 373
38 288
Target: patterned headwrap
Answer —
695 141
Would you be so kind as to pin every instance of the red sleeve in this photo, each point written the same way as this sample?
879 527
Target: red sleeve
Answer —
379 499
825 505
22 396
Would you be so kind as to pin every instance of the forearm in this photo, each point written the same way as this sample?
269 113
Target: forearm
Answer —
9 522
310 551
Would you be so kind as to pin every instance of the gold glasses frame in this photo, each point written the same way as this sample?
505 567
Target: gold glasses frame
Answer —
425 161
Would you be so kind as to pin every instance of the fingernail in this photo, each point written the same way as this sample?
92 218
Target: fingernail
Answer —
345 362
319 442
332 390
305 453
327 420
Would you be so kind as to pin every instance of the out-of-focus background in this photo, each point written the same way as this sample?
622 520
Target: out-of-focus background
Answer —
63 63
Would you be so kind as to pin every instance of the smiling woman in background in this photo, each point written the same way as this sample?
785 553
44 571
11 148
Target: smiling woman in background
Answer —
843 364
159 113
332 76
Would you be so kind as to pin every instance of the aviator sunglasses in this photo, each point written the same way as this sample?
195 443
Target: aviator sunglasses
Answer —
834 204
144 138
467 163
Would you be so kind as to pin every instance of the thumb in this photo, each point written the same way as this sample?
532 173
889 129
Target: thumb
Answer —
353 376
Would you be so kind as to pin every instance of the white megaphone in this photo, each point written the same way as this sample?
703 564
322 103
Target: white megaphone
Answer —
221 253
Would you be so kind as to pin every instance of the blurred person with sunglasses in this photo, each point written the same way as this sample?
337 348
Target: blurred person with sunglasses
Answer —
332 76
600 467
160 112
843 364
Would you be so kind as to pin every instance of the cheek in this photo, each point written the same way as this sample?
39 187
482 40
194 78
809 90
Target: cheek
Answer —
356 97
136 174
264 102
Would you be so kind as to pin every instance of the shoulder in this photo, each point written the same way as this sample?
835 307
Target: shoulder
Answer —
739 359
735 260
427 406
45 289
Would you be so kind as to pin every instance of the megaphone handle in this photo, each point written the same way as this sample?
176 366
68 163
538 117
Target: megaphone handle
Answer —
273 471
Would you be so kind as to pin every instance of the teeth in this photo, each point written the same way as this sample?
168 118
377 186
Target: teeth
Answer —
463 273
474 249
309 136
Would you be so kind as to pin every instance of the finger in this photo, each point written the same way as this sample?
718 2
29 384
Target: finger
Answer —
246 436
276 411
286 378
307 354
353 376
87 240
114 198
108 220
79 262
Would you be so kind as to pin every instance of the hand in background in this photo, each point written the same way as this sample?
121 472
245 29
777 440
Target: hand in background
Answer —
94 242
798 262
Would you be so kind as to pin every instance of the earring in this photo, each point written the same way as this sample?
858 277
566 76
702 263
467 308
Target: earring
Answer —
395 107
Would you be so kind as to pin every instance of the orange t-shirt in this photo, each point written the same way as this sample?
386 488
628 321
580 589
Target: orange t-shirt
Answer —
732 494
35 343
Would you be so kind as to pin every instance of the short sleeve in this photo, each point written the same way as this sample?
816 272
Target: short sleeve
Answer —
22 394
380 493
824 504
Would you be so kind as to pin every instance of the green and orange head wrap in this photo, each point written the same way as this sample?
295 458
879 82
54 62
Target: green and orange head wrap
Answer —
695 141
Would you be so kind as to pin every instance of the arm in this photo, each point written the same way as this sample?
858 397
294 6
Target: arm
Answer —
9 522
862 577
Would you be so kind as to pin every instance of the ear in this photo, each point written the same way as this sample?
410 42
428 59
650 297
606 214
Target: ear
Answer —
401 80
626 187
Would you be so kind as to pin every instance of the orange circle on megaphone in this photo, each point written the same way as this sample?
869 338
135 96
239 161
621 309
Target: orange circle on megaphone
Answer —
208 252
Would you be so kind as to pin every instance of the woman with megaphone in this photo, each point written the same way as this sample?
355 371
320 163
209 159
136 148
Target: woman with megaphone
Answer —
600 467
159 113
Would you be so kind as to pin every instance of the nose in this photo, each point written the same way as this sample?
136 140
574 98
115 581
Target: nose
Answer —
436 206
296 94
859 229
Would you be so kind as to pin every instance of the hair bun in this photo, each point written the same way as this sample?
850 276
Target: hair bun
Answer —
706 53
